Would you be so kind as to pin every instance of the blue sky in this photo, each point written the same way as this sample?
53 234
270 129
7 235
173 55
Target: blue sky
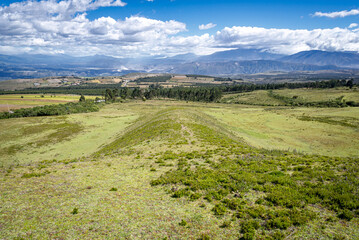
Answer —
169 27
259 13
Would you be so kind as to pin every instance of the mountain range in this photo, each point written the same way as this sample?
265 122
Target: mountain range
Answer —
230 62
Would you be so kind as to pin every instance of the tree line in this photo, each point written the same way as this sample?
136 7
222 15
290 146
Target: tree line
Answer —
114 92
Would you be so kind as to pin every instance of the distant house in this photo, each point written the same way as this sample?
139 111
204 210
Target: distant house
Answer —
37 84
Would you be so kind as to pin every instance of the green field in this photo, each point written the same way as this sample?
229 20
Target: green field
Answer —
177 170
301 95
15 101
313 95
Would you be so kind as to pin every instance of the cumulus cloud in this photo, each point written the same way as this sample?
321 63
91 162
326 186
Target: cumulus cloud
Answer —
353 25
341 14
207 26
289 41
63 27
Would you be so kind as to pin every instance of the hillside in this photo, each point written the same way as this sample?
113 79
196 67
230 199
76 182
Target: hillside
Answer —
173 169
245 67
322 58
235 61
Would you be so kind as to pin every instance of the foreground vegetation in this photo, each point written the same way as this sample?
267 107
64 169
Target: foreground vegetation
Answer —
169 169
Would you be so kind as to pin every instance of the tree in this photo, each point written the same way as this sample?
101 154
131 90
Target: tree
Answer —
350 83
109 95
82 98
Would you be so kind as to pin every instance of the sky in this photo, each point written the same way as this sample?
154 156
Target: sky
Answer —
140 28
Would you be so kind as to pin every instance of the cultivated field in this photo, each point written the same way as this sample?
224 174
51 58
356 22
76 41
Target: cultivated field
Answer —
177 170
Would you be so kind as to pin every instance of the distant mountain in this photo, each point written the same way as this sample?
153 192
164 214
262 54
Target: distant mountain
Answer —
237 61
316 57
239 55
244 67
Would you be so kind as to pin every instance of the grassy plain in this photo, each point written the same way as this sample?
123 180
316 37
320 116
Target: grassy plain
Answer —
313 95
328 131
15 101
88 176
303 95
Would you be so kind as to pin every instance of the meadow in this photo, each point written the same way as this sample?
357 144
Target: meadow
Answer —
16 101
326 97
166 169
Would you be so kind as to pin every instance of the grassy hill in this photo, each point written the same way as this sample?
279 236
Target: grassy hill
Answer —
295 97
175 170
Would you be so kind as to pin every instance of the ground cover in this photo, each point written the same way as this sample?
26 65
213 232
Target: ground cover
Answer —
175 170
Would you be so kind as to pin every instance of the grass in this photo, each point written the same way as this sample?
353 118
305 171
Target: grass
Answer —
28 140
207 182
304 97
31 100
259 97
330 131
316 95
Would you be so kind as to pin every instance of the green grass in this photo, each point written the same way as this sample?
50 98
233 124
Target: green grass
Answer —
37 99
207 182
296 97
330 131
259 97
316 95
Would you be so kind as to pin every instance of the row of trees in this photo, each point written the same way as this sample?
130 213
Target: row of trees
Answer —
272 86
204 94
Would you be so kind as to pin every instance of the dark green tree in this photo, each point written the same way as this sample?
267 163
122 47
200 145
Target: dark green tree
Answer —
82 98
350 83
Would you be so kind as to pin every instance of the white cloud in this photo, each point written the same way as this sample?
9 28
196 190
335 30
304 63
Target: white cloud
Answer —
353 25
341 14
289 41
63 27
207 26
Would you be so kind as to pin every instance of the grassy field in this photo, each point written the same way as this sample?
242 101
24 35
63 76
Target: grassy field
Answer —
177 170
329 131
259 97
263 98
313 95
15 101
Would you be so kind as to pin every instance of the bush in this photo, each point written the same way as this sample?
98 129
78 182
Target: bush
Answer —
279 222
75 211
183 223
346 215
219 209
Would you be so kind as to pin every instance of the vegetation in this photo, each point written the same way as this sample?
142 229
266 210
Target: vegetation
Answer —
51 110
176 169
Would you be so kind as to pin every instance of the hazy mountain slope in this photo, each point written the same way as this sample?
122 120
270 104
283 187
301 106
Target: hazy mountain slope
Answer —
244 67
341 59
240 55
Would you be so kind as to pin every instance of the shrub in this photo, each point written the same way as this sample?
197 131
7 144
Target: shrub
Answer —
279 222
219 209
226 224
183 223
346 215
75 211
